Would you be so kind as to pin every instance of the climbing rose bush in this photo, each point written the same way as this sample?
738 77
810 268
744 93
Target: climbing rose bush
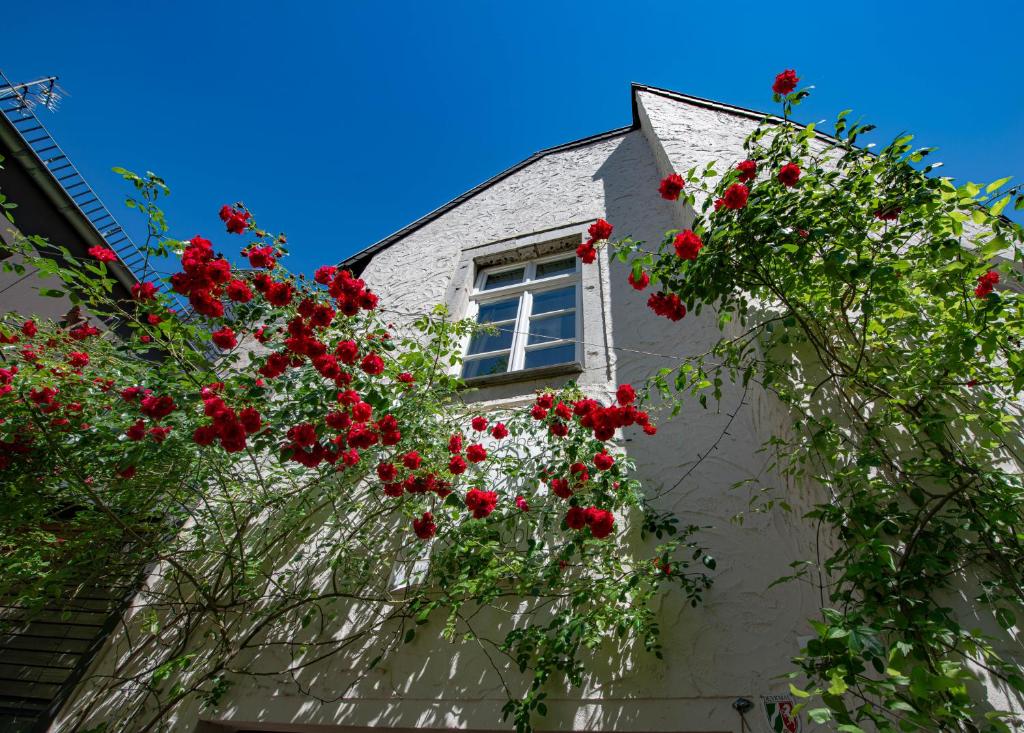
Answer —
278 450
880 304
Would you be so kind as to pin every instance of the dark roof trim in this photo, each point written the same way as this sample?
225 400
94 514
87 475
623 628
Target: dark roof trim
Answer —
751 114
358 261
24 155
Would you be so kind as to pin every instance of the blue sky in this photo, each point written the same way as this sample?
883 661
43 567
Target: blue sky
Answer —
339 123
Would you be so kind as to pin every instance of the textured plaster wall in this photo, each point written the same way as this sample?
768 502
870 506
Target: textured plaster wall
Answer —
741 639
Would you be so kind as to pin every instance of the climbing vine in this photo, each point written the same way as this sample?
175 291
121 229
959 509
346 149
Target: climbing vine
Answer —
293 476
881 304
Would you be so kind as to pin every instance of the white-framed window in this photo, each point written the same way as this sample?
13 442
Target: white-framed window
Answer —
534 308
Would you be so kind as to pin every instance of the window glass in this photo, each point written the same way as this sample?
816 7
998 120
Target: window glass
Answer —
552 328
501 310
556 267
546 301
483 342
487 365
561 354
501 279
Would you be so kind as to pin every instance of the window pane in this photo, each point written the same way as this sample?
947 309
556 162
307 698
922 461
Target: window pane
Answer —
502 310
554 355
552 328
501 279
554 300
481 367
482 342
556 267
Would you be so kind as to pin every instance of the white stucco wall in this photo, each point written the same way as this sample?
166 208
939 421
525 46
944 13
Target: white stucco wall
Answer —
742 638
744 635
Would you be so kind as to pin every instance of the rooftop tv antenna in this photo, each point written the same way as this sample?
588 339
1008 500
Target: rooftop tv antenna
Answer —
44 92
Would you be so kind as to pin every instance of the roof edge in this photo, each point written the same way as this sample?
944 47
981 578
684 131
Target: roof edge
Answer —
711 104
359 260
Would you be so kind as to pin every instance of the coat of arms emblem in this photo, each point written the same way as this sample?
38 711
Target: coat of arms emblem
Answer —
778 709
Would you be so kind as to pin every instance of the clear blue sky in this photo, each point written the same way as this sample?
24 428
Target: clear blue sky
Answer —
340 122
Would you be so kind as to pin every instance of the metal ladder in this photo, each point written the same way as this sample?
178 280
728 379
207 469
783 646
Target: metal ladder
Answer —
17 102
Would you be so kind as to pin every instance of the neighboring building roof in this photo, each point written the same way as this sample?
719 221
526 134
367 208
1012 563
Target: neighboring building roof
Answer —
358 261
43 181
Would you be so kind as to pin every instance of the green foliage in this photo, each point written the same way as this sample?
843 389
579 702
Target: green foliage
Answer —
851 296
250 553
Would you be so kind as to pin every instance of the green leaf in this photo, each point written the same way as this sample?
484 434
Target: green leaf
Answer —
998 206
820 715
997 184
51 293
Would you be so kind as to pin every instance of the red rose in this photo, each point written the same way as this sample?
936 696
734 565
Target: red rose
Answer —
224 338
78 359
559 429
560 487
362 411
735 196
279 294
789 174
625 394
600 521
546 400
372 364
347 351
127 472
641 283
476 453
144 291
576 518
455 444
206 304
586 252
748 170
412 460
457 465
159 434
103 254
406 378
479 423
521 504
538 412
325 274
262 257
785 82
481 503
239 291
603 461
888 213
137 431
250 420
986 283
669 306
303 434
579 472
671 186
499 431
599 230
387 472
424 527
687 245
236 220
157 407
29 329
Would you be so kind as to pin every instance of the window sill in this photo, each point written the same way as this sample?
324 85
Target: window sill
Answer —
524 375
